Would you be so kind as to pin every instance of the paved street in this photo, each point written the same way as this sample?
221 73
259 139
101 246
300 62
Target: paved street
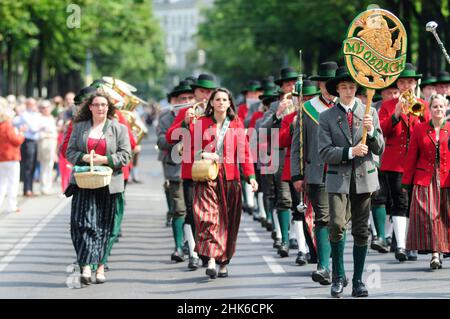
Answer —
36 257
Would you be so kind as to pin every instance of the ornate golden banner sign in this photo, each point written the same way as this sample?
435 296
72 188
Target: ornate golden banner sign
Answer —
375 48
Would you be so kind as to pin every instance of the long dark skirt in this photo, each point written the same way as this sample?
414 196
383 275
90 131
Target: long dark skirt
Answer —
217 216
91 222
429 218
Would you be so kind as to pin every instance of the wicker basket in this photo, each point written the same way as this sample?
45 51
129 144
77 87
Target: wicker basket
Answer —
92 179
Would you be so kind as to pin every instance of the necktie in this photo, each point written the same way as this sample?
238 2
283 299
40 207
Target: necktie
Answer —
350 120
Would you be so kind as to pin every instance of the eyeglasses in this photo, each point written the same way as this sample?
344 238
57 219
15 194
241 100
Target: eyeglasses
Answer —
99 104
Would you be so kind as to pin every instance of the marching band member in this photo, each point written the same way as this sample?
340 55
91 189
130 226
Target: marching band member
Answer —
172 170
309 90
381 201
218 203
272 120
427 167
94 210
443 88
203 87
351 175
397 128
266 85
313 180
251 92
265 199
428 87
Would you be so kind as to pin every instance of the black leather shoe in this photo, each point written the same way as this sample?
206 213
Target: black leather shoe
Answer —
379 245
435 263
301 259
273 235
293 244
400 254
359 289
337 287
177 256
263 222
283 251
223 272
312 259
322 276
412 255
194 263
211 272
277 244
269 226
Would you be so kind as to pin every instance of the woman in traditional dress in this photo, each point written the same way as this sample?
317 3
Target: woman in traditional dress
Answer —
93 210
427 168
218 203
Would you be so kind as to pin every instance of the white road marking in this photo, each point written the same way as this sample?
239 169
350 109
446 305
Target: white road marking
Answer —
144 196
274 267
252 235
11 255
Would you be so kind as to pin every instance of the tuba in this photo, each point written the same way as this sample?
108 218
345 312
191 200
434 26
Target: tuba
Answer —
411 105
131 102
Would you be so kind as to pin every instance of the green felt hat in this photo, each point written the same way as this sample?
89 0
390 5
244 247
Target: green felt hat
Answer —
309 88
269 93
205 81
287 74
327 70
183 87
252 86
443 77
409 72
429 80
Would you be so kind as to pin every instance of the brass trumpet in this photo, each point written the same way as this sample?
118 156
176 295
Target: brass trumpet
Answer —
411 105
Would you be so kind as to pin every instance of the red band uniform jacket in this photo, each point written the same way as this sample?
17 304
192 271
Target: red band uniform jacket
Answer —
235 146
420 161
395 134
285 139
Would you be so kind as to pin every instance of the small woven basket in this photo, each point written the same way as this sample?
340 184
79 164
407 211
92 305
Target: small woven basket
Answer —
93 179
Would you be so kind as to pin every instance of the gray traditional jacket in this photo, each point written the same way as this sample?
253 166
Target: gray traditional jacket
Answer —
118 149
334 142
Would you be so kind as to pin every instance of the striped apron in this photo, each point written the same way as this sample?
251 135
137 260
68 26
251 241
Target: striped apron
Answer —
217 215
429 217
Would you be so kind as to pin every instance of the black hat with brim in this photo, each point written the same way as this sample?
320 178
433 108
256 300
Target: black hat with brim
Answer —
183 87
252 86
409 72
309 89
84 94
287 74
204 81
327 70
429 80
443 77
342 75
270 93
